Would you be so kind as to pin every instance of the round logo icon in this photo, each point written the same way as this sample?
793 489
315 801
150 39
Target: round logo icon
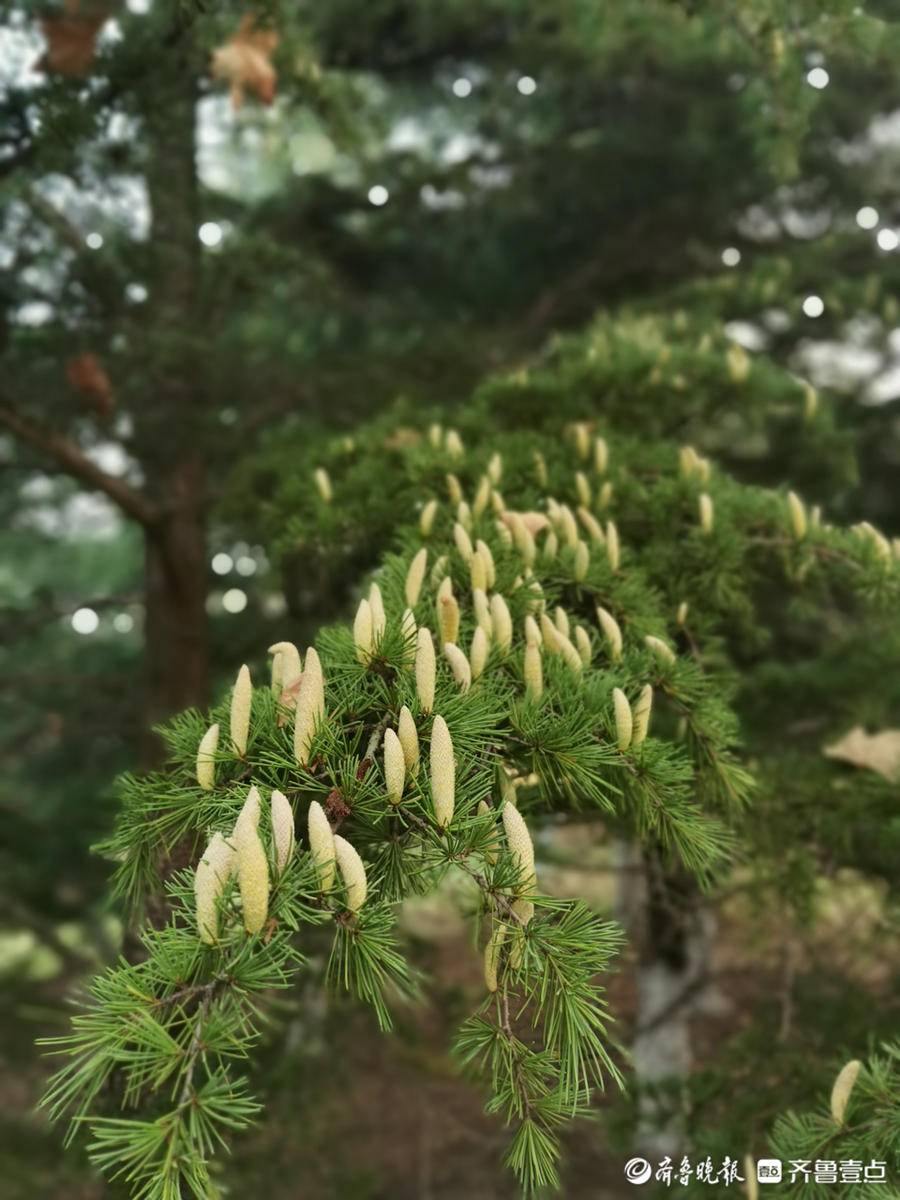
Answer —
638 1170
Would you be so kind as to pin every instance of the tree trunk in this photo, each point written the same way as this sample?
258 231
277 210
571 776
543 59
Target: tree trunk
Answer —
172 427
676 933
176 642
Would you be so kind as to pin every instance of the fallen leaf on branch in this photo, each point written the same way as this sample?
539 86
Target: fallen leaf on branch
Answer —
244 61
86 374
71 38
879 752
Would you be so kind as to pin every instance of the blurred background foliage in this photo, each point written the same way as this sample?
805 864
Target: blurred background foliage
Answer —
497 212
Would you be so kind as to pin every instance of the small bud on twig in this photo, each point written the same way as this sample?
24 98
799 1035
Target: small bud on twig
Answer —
362 631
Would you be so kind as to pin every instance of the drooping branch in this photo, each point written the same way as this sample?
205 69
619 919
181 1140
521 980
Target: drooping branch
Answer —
72 459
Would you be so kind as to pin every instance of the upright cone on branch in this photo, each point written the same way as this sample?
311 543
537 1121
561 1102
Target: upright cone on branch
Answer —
362 631
459 665
521 847
706 512
641 715
601 455
415 577
624 719
843 1086
394 767
611 631
482 497
379 619
210 878
549 635
310 706
286 657
663 652
533 671
253 875
241 701
501 622
353 873
592 526
582 561
251 810
426 518
583 488
583 645
613 552
426 668
463 542
482 610
323 484
321 845
478 571
206 758
409 740
443 773
798 516
490 568
282 830
478 651
448 616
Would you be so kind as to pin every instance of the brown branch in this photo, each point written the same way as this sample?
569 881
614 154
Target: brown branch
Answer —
74 462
